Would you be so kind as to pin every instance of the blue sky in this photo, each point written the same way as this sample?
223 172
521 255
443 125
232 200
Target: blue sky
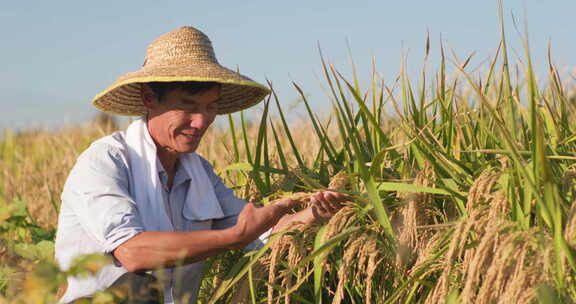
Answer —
56 55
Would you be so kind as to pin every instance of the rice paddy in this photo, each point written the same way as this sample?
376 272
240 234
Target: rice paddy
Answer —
461 190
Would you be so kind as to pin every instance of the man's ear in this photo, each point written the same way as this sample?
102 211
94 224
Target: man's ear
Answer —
148 97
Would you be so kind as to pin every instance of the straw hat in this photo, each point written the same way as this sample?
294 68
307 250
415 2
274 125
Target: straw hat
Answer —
185 54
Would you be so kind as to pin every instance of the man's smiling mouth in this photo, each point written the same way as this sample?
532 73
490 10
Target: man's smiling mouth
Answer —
192 136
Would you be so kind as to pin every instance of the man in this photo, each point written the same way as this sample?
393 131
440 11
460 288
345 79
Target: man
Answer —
144 197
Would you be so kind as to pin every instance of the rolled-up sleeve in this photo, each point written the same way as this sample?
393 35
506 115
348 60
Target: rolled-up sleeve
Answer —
98 192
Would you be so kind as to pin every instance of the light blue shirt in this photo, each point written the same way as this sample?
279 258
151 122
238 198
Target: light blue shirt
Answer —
98 214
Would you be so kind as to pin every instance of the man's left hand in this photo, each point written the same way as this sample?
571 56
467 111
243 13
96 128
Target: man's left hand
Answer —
324 204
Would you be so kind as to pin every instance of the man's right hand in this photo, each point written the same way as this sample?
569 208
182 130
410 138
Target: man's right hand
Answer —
254 221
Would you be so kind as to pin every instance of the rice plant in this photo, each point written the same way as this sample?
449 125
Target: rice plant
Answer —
463 193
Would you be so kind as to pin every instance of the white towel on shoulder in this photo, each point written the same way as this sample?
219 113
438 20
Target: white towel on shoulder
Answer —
201 200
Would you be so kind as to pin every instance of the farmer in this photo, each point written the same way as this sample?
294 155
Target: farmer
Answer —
145 198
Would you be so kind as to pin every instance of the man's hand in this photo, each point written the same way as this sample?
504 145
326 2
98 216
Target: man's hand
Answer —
254 221
324 204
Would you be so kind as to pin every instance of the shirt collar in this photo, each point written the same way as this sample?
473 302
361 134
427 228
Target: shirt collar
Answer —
180 177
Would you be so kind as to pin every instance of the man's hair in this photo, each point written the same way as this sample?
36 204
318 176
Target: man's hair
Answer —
192 87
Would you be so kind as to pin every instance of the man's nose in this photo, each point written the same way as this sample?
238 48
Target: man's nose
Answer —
201 120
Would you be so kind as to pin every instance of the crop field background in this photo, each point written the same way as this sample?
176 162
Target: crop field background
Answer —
461 190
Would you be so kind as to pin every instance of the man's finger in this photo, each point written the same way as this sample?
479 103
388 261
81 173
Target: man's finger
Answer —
317 203
332 209
324 200
339 196
334 201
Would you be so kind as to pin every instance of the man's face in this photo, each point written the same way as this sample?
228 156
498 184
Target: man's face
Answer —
180 119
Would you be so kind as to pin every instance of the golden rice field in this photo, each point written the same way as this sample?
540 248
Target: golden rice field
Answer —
461 191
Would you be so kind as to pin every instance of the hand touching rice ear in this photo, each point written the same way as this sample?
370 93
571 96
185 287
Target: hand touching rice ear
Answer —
254 221
324 204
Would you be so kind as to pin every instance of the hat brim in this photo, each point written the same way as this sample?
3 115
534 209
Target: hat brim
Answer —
123 97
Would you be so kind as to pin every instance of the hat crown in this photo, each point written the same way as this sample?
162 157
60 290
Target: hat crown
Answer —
184 46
